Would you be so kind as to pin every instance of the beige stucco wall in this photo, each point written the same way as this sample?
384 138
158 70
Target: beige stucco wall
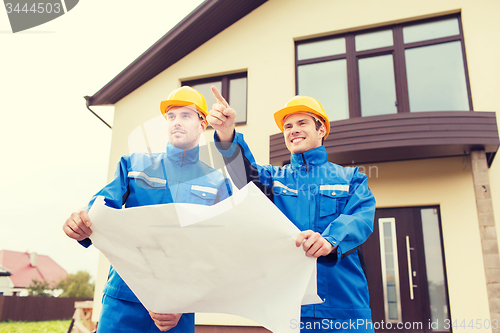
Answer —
262 43
481 31
446 182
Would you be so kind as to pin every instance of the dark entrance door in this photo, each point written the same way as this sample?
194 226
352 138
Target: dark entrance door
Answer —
405 271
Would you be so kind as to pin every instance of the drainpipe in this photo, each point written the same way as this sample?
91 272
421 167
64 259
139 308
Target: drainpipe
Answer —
87 99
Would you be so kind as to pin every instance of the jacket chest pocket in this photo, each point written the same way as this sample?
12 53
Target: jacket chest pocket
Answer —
203 194
332 199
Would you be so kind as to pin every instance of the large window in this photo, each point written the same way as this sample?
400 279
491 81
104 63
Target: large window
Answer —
411 67
232 87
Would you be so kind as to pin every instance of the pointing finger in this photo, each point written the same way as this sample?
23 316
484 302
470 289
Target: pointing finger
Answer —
219 97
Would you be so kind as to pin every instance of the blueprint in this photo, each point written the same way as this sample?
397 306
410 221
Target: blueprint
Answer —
236 257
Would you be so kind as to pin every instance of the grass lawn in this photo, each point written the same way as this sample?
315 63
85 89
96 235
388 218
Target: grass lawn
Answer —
55 326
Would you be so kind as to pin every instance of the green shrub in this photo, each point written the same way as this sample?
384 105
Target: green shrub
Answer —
55 326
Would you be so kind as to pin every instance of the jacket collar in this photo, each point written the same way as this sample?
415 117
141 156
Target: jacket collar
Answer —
315 156
177 155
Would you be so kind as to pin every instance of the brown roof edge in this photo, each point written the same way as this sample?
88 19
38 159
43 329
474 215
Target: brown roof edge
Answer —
194 30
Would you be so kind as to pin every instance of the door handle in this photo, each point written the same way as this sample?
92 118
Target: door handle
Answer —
410 270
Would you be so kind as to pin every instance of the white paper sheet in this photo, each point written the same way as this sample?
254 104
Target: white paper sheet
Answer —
236 257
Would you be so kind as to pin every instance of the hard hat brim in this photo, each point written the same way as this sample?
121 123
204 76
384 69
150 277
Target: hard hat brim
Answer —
164 105
280 115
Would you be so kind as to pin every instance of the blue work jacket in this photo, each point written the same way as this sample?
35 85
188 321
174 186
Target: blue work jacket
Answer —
141 179
332 200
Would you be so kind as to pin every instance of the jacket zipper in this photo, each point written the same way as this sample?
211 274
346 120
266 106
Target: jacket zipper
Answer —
309 213
308 194
180 171
305 164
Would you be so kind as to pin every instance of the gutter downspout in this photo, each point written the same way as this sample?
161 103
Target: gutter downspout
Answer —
87 99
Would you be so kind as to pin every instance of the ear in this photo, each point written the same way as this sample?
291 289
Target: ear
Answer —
322 131
203 124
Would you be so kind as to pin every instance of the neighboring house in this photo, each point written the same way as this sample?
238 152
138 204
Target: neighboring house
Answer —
412 92
21 268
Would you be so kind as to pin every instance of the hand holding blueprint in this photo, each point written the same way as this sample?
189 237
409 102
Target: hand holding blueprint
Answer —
237 257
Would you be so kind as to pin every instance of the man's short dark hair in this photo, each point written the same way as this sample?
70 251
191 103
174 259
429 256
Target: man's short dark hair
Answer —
318 124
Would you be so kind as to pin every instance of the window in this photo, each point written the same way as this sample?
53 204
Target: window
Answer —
322 74
434 263
233 87
411 67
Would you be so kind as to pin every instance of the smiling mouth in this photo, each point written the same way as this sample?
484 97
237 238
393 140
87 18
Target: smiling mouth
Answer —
296 140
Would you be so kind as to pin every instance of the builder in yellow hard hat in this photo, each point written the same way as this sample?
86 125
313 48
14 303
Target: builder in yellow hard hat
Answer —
185 110
303 109
331 205
176 175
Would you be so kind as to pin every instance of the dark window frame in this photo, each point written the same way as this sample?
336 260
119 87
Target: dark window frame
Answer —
224 79
398 52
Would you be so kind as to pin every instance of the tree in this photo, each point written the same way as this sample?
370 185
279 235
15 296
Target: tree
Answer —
77 285
39 288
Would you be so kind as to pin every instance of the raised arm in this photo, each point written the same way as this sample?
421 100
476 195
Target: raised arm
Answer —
222 117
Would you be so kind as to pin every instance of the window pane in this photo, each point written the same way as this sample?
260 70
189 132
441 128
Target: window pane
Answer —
238 98
389 266
327 82
434 266
388 246
377 86
206 91
431 30
374 40
321 49
436 78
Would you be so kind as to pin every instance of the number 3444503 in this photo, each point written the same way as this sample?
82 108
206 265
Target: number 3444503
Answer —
472 324
35 8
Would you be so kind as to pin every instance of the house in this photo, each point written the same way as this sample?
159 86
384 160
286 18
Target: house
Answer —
20 268
411 89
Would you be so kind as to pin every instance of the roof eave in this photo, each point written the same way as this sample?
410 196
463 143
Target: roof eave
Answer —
194 30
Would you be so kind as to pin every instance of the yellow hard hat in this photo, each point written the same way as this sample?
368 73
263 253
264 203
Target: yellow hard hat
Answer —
304 104
185 96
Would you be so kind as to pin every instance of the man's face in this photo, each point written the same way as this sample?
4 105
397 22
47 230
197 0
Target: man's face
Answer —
301 134
184 127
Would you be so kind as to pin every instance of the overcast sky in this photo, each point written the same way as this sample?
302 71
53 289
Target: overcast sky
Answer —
55 152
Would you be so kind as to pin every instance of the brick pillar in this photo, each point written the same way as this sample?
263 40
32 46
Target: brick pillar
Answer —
489 241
